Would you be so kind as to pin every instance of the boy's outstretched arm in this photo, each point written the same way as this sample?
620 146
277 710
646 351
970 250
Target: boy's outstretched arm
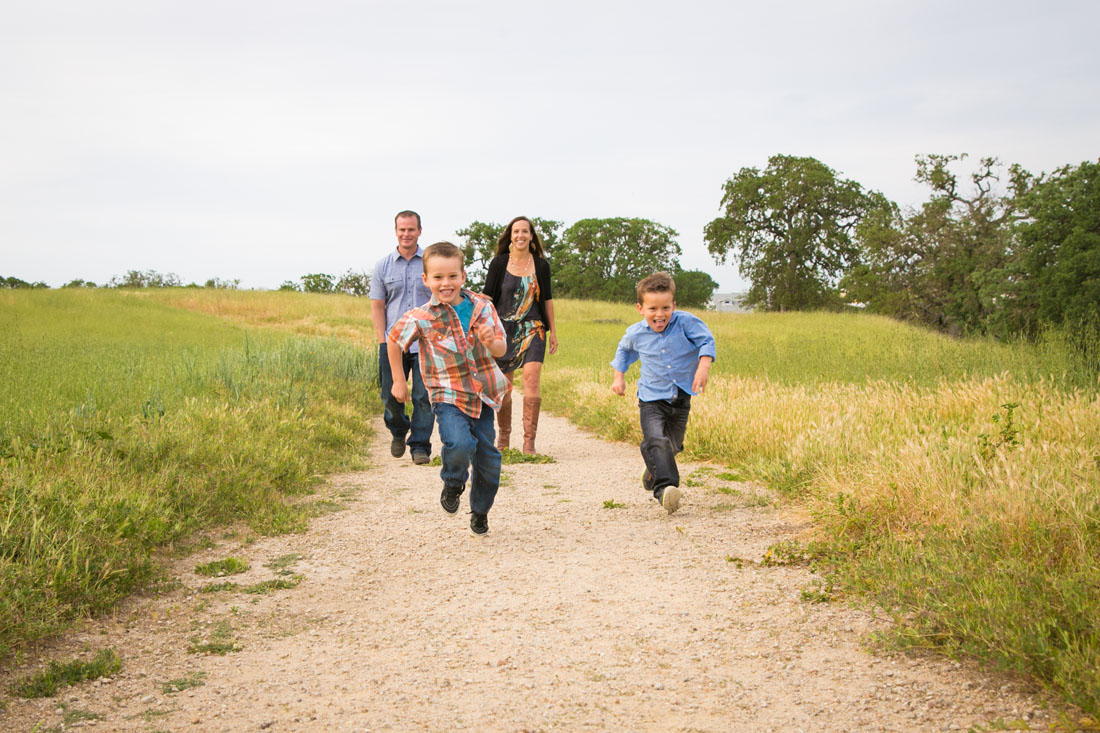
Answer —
702 373
618 384
400 388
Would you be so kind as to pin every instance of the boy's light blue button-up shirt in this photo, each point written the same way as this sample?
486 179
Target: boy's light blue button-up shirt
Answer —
669 358
399 282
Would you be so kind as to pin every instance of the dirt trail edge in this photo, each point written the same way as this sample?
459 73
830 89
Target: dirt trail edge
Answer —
569 615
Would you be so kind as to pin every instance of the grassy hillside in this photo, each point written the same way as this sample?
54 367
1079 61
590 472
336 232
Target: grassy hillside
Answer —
954 483
126 425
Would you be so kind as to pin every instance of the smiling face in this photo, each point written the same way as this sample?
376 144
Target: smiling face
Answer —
656 309
521 236
445 277
407 229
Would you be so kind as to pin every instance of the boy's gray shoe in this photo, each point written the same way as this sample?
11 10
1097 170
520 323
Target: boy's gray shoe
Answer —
479 524
669 497
420 457
449 498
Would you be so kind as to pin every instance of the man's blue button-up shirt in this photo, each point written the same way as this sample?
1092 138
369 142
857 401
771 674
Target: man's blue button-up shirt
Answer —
669 358
399 282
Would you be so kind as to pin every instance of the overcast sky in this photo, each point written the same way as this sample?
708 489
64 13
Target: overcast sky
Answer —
267 140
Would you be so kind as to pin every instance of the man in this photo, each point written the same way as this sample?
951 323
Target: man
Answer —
396 286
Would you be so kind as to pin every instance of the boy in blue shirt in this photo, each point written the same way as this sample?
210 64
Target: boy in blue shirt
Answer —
676 349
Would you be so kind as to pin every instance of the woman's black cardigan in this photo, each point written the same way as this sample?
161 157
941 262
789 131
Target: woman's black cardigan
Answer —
494 279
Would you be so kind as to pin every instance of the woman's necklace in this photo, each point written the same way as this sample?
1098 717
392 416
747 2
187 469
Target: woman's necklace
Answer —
524 268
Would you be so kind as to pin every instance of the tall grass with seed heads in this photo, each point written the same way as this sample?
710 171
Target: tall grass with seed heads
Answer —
955 483
126 425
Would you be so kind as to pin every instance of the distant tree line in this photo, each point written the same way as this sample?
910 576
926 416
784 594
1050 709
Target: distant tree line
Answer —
1002 252
600 259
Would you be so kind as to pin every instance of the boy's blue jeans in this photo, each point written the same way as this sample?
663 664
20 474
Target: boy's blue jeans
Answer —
419 429
663 427
469 451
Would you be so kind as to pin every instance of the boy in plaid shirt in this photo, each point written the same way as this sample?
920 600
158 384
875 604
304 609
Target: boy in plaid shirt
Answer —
460 337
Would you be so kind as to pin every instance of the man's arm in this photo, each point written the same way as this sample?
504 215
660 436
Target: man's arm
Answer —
378 319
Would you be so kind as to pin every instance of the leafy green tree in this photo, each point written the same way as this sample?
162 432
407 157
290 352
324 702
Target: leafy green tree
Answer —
694 288
947 264
15 283
145 279
1058 250
219 284
318 282
480 244
791 228
603 259
79 283
290 286
354 283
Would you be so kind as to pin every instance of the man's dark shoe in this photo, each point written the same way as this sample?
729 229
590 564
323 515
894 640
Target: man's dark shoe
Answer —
647 481
449 498
479 524
420 457
397 447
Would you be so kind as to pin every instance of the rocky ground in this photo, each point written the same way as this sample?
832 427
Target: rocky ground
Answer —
585 607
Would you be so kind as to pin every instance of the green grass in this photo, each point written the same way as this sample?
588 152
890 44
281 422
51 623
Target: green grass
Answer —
126 425
218 568
180 684
218 641
62 674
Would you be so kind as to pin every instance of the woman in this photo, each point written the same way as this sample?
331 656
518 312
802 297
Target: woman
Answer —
518 281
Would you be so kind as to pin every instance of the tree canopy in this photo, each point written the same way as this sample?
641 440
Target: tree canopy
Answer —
790 227
605 258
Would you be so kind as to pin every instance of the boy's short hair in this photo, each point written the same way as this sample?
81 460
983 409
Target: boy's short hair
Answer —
658 282
442 249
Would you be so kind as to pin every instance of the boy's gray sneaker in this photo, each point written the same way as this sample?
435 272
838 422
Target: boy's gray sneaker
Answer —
420 457
669 497
449 498
397 447
479 524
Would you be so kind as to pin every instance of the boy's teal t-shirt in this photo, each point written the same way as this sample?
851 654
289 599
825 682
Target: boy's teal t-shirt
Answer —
465 311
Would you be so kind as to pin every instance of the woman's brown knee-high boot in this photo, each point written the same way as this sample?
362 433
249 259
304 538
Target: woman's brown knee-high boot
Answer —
531 407
504 421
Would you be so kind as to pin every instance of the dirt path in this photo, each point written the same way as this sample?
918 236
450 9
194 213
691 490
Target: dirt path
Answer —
567 616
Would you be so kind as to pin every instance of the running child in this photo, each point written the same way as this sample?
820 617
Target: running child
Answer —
460 336
676 349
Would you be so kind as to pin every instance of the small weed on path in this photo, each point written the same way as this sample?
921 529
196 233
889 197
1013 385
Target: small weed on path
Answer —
218 641
219 568
282 565
57 675
180 684
611 504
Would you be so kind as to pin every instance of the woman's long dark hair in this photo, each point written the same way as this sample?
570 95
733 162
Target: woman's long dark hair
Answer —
505 239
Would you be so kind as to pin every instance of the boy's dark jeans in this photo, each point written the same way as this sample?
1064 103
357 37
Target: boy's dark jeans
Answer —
663 426
469 450
419 429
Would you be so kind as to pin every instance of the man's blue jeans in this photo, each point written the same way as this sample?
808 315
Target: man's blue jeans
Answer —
663 426
419 428
469 451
